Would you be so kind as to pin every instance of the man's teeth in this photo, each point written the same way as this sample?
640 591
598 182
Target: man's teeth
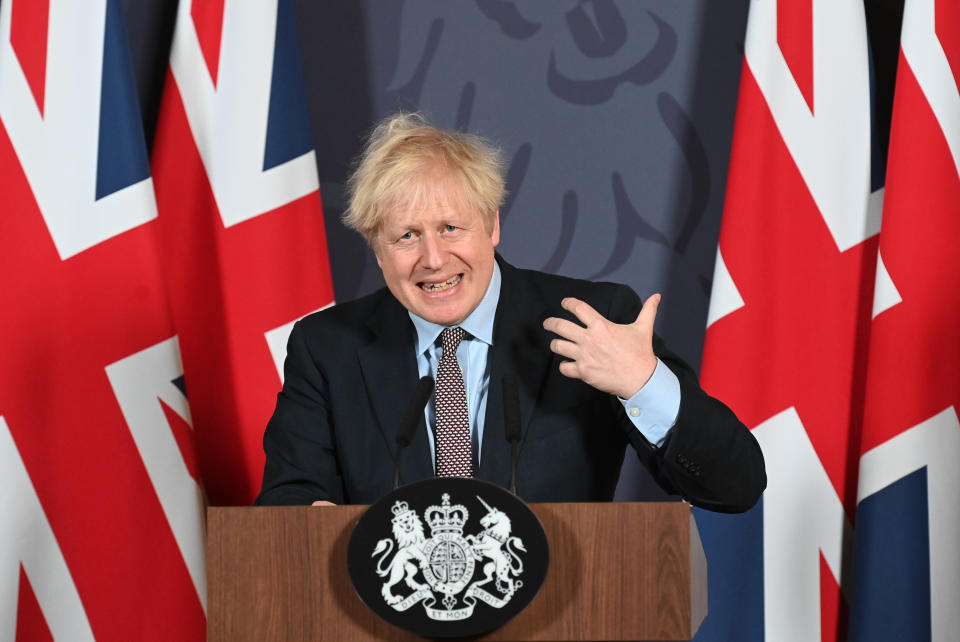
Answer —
443 285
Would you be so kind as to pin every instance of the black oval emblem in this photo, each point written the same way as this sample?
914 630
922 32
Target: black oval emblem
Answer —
448 557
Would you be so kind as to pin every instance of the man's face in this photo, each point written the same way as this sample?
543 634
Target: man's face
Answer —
436 254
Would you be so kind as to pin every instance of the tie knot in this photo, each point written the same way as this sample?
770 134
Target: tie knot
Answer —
450 339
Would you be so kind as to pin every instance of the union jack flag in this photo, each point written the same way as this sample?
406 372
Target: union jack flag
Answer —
906 571
845 367
241 224
129 285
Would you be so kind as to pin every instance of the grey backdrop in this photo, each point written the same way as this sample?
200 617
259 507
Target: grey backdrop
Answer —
616 116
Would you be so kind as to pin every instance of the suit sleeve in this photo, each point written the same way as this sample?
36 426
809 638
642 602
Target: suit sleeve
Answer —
301 464
709 457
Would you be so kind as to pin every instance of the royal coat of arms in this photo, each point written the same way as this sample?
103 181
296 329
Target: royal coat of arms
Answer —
449 572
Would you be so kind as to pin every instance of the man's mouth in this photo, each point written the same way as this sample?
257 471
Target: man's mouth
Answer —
442 285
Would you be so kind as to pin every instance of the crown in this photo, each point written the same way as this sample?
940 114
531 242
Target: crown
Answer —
400 510
446 518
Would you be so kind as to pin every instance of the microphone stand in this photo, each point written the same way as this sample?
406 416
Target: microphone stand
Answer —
511 424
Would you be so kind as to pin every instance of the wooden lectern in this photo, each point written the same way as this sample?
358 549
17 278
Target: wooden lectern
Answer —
617 572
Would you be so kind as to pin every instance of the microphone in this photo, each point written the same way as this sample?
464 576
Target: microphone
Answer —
411 418
511 424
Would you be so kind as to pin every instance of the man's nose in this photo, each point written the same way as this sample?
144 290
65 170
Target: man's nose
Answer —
433 256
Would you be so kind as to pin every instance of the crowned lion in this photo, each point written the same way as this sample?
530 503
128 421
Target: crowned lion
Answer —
409 537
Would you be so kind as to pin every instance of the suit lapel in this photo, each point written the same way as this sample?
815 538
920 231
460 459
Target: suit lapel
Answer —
521 348
390 375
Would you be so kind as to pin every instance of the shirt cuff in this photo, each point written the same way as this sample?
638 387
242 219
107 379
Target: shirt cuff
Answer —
653 410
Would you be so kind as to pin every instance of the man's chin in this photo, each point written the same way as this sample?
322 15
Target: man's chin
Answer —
448 320
447 311
446 316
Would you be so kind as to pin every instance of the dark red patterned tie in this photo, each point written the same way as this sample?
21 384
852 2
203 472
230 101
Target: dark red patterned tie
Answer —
453 422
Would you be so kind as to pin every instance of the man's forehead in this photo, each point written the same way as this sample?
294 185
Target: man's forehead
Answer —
428 191
428 213
428 204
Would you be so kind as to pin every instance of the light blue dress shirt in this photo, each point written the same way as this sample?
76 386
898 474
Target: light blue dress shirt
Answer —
653 410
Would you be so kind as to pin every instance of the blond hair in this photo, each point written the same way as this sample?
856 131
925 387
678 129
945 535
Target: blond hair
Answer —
401 152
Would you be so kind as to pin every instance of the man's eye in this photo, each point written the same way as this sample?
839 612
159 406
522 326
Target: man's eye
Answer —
407 236
451 228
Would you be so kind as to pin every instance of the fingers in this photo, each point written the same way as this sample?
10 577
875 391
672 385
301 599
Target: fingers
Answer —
323 503
570 369
648 314
581 310
566 329
567 349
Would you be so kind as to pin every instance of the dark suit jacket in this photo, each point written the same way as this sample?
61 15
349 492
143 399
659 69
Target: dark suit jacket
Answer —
351 370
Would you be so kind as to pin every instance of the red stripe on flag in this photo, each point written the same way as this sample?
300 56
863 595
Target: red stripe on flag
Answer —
61 324
31 625
915 349
208 21
795 38
807 306
29 22
947 24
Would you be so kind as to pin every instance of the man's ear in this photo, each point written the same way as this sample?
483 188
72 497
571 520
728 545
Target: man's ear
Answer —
495 232
372 242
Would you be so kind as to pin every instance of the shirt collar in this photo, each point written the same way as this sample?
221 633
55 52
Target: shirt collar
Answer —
479 324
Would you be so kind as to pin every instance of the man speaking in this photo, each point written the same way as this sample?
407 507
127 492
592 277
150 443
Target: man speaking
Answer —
592 376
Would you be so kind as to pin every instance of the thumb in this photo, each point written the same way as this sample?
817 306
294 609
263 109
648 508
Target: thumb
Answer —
648 313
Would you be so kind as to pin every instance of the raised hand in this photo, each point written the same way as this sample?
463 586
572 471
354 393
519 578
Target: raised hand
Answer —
612 357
